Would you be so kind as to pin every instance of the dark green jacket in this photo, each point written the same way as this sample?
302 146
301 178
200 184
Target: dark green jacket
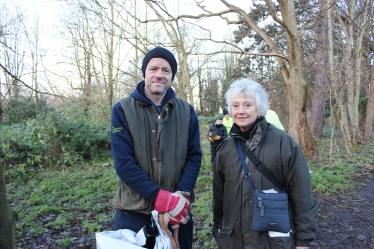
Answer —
232 193
153 149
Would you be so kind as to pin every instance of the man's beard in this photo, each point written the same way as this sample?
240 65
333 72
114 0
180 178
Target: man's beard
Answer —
157 91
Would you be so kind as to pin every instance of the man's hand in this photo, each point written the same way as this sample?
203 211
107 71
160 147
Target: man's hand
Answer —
211 139
168 219
175 203
216 137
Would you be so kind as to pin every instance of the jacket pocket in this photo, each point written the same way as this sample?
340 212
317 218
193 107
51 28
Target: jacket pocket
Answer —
223 234
280 242
127 199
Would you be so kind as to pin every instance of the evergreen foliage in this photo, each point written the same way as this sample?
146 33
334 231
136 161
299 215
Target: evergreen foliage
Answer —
23 108
53 140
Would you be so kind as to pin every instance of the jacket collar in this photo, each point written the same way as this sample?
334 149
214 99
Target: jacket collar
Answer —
139 95
253 135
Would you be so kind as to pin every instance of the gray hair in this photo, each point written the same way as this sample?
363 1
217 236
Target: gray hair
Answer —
249 88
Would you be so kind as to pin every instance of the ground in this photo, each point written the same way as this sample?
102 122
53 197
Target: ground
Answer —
347 220
344 221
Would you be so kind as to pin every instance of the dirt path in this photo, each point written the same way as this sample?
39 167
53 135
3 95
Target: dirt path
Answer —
347 221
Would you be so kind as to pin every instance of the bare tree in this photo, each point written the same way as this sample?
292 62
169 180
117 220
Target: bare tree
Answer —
289 62
33 42
181 35
316 119
368 126
13 49
352 18
334 85
7 216
94 53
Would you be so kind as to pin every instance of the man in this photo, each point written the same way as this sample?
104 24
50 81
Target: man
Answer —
156 150
227 120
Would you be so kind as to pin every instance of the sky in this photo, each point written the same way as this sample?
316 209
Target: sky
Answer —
49 12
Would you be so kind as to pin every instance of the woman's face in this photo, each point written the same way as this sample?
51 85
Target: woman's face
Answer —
244 111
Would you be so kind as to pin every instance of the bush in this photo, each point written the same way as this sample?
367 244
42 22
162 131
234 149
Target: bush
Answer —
22 109
55 139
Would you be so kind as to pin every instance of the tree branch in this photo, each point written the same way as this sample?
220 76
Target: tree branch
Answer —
19 80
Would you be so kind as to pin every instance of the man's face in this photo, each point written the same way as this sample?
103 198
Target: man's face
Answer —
158 76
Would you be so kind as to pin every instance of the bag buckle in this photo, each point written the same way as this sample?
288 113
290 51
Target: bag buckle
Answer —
262 208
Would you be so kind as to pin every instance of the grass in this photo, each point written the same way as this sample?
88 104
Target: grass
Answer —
334 172
55 199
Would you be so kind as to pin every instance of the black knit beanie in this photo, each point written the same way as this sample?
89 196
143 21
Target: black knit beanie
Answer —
160 52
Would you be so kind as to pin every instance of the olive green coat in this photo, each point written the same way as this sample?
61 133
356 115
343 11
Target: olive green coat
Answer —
159 150
232 193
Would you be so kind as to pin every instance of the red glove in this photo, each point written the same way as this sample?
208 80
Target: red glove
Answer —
174 203
187 195
168 219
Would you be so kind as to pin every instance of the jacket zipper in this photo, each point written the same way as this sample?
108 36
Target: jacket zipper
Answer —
158 120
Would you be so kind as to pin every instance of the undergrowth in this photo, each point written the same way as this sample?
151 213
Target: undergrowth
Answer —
54 200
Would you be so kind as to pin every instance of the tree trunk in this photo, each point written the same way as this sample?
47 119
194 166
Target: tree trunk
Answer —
1 104
298 126
358 70
296 84
7 216
341 113
368 126
316 119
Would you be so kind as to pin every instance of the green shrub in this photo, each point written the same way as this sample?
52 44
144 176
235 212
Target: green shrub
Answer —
53 140
22 109
362 104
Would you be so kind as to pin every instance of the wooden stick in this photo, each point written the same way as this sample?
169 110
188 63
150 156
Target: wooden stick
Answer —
174 240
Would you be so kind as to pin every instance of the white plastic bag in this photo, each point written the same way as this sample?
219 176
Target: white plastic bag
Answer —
127 239
162 240
120 239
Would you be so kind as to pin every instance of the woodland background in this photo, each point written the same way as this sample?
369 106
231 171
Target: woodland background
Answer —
315 58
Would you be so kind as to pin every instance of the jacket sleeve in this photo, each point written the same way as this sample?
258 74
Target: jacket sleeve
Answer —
223 134
299 188
124 157
218 182
192 166
209 130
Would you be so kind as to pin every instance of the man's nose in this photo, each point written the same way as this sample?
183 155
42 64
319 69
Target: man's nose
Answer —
159 73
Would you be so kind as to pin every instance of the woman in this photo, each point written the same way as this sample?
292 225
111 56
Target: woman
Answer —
232 211
216 134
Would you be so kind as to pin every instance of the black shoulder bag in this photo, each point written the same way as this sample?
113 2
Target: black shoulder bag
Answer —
269 210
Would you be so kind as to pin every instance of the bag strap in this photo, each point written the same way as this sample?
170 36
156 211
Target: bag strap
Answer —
244 165
260 166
